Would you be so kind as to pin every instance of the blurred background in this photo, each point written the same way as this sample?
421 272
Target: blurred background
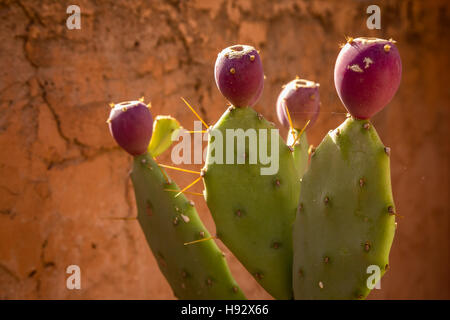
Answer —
62 176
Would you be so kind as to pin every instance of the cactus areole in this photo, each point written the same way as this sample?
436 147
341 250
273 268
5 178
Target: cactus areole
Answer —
239 75
131 125
367 75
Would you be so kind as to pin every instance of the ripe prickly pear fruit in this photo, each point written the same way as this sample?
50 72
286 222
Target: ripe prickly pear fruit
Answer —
131 125
302 99
345 221
239 75
367 75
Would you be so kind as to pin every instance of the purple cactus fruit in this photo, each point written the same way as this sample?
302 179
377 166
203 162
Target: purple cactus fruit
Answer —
367 75
239 75
303 102
131 125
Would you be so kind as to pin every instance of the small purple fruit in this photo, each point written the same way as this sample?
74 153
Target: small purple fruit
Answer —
303 102
131 125
239 75
367 75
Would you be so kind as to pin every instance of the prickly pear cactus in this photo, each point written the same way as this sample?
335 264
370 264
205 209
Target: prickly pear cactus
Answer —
345 221
300 153
254 213
195 271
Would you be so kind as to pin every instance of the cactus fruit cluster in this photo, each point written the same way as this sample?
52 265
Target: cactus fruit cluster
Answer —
309 226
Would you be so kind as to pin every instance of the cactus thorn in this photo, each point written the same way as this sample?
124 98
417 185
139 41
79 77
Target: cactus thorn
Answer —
326 259
366 126
184 274
209 282
108 121
238 213
320 284
367 246
349 39
185 218
124 109
387 48
252 58
300 207
191 203
386 267
175 221
276 245
202 234
232 71
387 150
300 272
141 99
326 200
112 104
260 116
235 289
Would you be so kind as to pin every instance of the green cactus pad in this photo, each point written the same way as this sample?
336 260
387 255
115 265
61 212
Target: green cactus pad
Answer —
195 271
300 151
254 213
163 129
345 221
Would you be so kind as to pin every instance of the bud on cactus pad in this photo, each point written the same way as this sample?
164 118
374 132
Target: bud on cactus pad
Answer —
131 125
301 97
239 75
367 75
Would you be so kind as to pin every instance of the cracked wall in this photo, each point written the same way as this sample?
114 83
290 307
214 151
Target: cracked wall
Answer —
62 176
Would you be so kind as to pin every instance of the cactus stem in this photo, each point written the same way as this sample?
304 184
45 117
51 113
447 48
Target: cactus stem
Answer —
199 240
190 185
195 113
